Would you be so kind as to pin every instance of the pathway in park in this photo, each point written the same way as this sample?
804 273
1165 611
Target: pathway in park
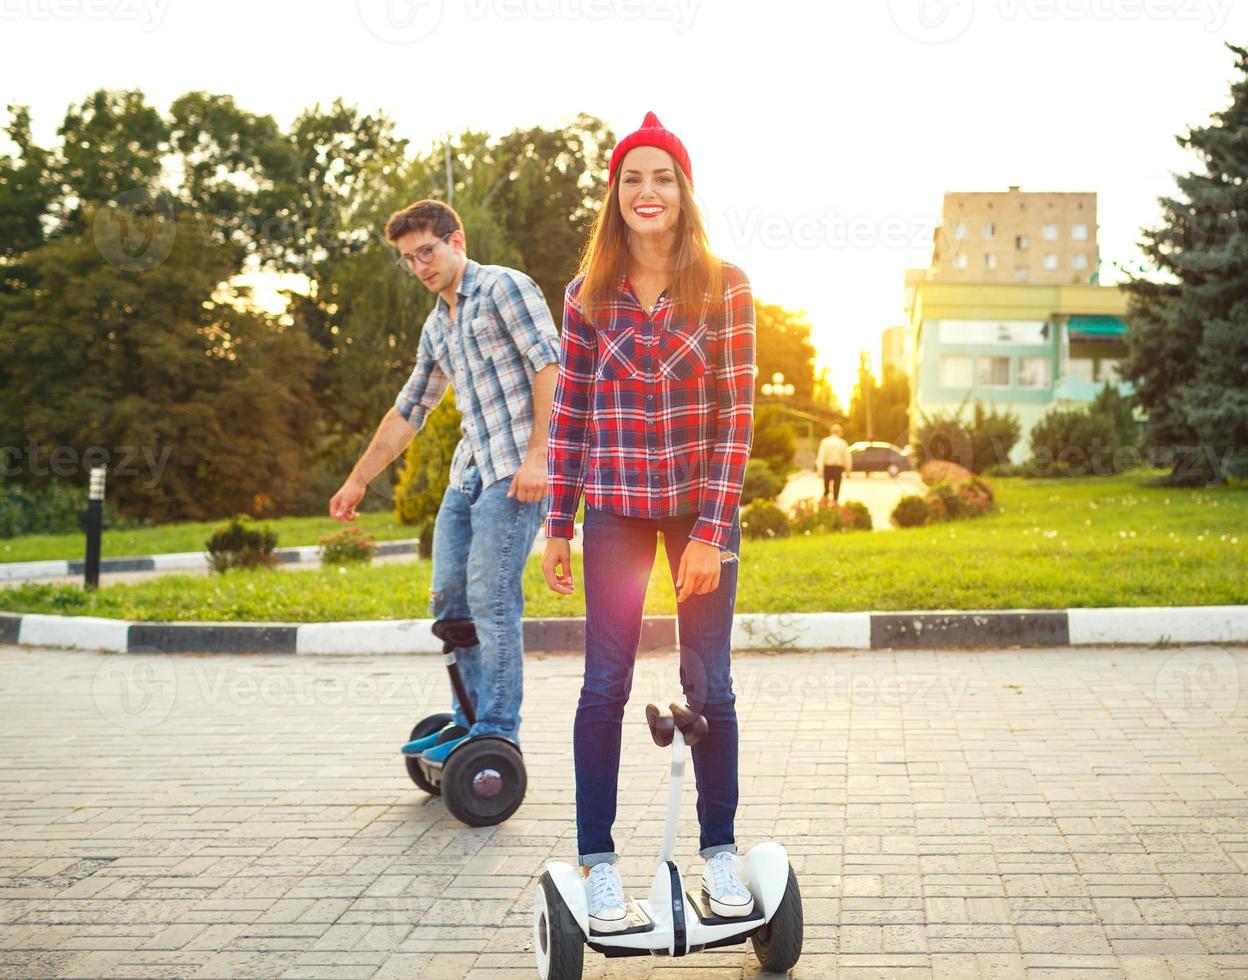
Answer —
1004 814
879 491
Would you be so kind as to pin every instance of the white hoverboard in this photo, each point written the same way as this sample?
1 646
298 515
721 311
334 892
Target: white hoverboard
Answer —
671 921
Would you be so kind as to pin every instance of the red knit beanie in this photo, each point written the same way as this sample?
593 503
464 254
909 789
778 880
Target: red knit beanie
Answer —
651 133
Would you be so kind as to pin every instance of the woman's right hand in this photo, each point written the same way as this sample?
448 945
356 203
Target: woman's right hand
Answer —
557 565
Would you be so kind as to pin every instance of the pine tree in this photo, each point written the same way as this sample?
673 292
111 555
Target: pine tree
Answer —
1188 356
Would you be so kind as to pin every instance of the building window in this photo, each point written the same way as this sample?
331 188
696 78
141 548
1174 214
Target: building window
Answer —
1022 274
1079 261
955 372
960 261
1050 233
1080 369
1079 233
990 261
1050 262
990 230
1022 243
1034 372
959 230
993 372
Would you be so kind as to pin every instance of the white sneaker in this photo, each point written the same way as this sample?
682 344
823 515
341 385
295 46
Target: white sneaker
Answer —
605 894
722 885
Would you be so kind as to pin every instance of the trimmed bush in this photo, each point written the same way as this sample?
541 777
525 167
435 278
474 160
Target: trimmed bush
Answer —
763 519
816 517
943 502
911 511
855 516
349 546
761 482
241 543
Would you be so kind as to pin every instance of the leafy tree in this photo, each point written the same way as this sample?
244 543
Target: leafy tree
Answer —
25 191
156 366
783 344
1188 343
879 411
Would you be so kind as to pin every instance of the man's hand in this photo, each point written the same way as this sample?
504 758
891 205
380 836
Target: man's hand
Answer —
557 565
342 505
699 570
529 484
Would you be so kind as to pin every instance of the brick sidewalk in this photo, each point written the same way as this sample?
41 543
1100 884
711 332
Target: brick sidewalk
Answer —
1046 813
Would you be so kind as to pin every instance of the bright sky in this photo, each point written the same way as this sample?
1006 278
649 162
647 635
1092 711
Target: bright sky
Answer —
822 136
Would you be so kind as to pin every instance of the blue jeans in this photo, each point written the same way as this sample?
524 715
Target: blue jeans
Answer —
619 553
481 540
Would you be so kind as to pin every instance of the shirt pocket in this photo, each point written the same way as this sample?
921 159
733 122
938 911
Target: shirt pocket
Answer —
490 338
617 355
684 352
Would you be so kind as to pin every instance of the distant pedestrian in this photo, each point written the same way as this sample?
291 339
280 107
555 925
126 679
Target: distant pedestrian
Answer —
833 461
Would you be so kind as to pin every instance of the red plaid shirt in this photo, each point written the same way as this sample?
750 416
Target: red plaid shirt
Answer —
654 414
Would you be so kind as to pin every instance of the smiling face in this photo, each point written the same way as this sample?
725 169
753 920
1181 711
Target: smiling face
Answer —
649 194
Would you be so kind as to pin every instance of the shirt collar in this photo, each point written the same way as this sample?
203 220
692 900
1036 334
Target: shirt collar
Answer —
468 284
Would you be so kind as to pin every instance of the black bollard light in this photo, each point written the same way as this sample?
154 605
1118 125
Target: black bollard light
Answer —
95 522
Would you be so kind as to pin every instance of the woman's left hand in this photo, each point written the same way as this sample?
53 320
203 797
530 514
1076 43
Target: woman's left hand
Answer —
699 570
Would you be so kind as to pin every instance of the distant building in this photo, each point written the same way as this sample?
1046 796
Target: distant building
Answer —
893 350
1016 237
1027 331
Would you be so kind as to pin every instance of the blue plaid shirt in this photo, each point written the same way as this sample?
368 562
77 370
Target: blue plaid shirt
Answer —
503 336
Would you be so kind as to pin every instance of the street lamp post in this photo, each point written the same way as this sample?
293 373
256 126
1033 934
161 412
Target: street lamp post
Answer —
95 524
777 387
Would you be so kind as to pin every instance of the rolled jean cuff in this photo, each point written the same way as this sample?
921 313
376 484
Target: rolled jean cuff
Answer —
709 852
607 857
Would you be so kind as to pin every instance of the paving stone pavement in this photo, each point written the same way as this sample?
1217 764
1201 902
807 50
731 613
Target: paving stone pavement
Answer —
954 814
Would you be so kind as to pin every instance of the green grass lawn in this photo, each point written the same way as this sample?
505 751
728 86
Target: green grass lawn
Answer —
1052 544
170 538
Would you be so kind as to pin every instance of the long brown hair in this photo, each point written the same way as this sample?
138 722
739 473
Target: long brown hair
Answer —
696 279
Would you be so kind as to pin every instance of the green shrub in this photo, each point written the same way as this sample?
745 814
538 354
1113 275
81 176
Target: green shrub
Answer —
911 511
761 482
985 441
426 471
944 503
775 442
993 436
859 516
241 543
1080 442
816 517
763 519
56 509
350 545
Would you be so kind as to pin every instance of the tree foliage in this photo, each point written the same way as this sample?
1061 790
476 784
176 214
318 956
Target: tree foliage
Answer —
1188 342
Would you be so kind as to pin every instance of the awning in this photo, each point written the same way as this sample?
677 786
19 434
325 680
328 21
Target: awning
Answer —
1095 327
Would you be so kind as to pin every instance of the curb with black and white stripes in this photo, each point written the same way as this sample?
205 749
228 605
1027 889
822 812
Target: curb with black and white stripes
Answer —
176 562
783 631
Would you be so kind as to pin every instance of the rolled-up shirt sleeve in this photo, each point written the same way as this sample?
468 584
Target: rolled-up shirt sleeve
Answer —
735 429
425 386
522 308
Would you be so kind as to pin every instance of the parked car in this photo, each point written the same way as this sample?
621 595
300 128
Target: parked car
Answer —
879 457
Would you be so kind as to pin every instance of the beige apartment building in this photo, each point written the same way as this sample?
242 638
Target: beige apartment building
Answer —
1016 237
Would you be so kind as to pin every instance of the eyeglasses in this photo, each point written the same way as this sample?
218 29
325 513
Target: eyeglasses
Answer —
423 255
